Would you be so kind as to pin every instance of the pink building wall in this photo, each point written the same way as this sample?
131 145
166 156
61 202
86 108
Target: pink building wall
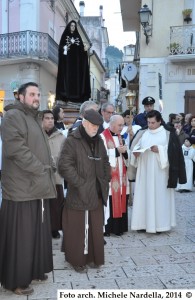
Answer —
1 17
9 16
50 21
14 16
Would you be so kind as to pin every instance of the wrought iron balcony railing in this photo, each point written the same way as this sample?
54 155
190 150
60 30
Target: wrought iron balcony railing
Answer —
182 39
28 44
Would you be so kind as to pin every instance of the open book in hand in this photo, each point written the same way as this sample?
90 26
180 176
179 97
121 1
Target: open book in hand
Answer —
140 150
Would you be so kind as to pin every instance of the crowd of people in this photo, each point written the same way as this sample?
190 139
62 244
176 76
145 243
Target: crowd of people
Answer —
77 181
185 130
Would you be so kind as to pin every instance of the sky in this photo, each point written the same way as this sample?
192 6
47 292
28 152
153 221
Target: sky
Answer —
113 20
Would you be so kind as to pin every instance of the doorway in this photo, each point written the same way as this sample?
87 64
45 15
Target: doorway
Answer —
189 102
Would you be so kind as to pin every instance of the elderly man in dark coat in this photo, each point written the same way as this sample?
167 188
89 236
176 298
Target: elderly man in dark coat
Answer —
84 164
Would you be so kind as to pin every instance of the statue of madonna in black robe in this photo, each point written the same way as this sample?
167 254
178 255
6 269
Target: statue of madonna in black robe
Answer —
73 79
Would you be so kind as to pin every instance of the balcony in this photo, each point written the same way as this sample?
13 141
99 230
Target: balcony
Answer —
26 46
182 43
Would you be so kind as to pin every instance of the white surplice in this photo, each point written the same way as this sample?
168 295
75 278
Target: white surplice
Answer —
153 203
113 160
135 128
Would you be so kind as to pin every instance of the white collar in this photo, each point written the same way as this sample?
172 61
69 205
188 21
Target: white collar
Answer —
160 128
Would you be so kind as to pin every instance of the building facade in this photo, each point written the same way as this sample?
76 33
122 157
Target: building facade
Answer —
30 32
98 35
167 62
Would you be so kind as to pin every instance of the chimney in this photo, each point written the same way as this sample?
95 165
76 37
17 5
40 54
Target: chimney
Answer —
101 15
82 6
101 10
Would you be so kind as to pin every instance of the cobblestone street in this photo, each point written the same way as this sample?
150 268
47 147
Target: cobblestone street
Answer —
132 261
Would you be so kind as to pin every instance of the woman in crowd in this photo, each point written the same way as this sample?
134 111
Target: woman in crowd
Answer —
172 119
186 127
58 114
179 131
192 137
180 117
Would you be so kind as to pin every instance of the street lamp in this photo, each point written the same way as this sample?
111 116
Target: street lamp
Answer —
51 100
130 99
145 16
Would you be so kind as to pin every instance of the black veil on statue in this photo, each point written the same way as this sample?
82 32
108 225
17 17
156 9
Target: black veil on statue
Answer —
73 79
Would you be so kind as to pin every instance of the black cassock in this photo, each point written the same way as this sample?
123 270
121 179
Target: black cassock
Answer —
73 79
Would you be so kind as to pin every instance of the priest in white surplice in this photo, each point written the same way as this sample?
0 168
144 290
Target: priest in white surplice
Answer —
158 170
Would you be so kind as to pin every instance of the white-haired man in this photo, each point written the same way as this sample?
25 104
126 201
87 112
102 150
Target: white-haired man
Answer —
116 217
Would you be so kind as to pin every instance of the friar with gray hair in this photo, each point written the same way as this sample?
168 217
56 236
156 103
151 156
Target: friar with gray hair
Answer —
84 106
84 164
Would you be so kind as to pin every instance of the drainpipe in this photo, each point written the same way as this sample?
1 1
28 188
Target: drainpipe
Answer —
91 54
